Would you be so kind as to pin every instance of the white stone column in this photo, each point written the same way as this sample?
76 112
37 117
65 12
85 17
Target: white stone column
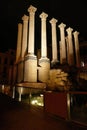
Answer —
31 11
70 46
30 65
62 42
53 22
23 50
44 62
25 33
19 40
60 50
13 92
76 42
43 17
67 48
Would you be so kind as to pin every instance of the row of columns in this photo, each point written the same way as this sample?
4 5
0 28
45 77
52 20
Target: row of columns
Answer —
25 58
53 22
25 46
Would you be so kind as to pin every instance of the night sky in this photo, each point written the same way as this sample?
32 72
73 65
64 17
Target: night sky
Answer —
72 13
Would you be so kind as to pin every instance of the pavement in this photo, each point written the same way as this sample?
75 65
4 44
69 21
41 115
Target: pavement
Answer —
16 115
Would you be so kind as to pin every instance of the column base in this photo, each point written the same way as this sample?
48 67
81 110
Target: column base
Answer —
43 72
44 59
54 63
30 56
30 68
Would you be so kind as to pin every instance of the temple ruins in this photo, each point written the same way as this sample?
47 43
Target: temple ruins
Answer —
29 71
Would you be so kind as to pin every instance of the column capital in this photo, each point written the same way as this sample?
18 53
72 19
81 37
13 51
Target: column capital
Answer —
75 33
25 18
62 25
43 15
32 9
53 21
69 30
19 24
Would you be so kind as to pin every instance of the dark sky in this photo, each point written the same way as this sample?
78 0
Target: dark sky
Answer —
72 12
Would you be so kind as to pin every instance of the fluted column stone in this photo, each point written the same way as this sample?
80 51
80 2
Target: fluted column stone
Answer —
70 46
44 62
67 49
31 11
23 49
53 22
62 42
19 41
30 65
43 17
25 34
76 42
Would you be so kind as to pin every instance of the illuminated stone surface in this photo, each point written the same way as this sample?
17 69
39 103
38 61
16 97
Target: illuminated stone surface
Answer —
43 17
53 22
16 74
19 38
62 42
43 72
44 62
20 65
76 42
31 38
60 50
58 80
25 33
70 47
30 69
67 48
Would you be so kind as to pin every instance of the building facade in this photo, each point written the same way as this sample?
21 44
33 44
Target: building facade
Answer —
6 64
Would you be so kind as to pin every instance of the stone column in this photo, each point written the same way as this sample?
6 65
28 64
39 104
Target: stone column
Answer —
30 63
70 46
31 11
76 42
62 42
53 22
18 53
13 92
60 51
43 17
43 61
25 33
67 48
20 77
19 38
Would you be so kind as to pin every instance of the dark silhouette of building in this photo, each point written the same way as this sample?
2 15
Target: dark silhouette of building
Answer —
6 63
